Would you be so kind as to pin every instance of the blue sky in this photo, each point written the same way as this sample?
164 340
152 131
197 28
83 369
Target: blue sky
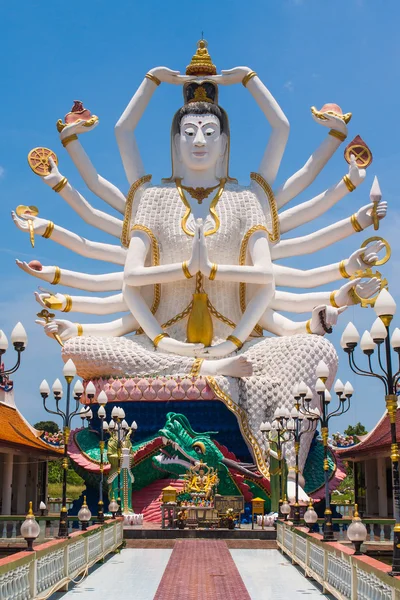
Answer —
306 52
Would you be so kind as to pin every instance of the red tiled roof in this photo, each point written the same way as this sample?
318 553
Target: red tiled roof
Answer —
16 432
375 442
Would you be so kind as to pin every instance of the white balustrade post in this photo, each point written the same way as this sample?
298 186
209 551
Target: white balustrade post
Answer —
325 578
308 544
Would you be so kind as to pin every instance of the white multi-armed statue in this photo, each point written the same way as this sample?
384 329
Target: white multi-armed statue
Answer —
198 279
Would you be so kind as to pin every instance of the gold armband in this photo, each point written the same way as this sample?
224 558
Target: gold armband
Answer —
57 276
186 270
338 134
68 304
235 340
79 328
213 272
332 299
355 224
49 230
247 77
67 140
342 270
60 185
159 337
153 78
349 184
308 326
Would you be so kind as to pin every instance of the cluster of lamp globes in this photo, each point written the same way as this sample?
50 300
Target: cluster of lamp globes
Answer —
19 339
385 306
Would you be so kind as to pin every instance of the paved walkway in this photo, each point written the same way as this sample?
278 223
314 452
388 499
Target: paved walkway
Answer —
200 573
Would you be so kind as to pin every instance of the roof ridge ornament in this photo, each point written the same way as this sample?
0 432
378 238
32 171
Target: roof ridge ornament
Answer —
201 63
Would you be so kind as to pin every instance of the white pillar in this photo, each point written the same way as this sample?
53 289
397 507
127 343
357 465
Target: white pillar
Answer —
7 483
382 487
20 492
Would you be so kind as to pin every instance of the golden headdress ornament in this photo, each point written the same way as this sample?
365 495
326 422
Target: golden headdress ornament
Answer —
201 63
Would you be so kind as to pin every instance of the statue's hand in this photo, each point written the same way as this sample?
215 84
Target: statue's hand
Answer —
51 301
365 289
364 214
218 351
180 348
39 225
330 314
356 175
194 261
166 75
54 176
45 273
204 263
231 76
329 121
79 127
364 258
65 329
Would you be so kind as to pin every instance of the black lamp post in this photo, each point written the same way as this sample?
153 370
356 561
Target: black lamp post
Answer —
275 432
19 340
69 372
344 393
385 308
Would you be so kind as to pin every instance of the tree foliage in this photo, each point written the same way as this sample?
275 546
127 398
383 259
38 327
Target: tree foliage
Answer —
49 426
356 430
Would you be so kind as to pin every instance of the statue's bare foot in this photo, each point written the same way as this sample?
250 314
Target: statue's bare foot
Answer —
235 366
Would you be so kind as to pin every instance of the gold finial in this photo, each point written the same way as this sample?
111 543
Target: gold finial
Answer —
30 511
84 501
201 63
356 516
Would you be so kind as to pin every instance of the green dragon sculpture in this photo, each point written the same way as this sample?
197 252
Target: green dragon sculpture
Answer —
168 454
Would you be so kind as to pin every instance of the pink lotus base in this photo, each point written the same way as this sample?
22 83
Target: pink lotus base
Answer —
154 389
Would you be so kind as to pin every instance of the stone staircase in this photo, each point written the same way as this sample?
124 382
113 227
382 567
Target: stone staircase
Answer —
148 500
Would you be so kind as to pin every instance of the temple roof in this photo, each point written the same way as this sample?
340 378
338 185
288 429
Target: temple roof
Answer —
376 442
15 432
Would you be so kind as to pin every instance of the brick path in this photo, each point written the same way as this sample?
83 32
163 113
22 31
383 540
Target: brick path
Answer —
201 570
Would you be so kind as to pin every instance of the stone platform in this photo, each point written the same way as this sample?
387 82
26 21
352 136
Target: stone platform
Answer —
154 532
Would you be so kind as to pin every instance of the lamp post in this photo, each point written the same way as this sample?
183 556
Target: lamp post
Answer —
69 372
310 516
101 413
275 432
385 309
344 393
19 340
84 514
30 528
357 532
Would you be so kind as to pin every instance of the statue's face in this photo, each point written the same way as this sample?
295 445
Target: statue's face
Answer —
200 143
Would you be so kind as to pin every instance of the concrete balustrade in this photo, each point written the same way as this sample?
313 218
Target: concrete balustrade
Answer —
52 565
333 566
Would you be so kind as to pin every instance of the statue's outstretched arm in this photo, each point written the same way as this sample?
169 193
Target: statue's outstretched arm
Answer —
91 215
302 303
91 305
96 184
275 323
308 211
306 175
328 235
67 329
103 282
80 245
361 259
127 123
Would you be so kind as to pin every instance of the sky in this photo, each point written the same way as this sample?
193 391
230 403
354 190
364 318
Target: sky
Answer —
306 52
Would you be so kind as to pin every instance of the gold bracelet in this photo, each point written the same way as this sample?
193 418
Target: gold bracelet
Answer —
68 305
60 185
355 224
247 77
186 270
153 78
79 328
308 326
213 272
235 340
159 337
349 184
332 300
342 270
338 134
57 276
67 140
49 230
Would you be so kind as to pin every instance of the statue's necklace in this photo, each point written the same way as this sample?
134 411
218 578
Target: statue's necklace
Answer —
199 193
213 204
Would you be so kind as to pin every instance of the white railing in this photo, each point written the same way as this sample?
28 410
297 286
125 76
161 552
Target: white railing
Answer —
51 566
340 573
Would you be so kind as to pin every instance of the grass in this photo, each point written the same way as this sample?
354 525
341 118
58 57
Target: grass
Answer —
73 491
